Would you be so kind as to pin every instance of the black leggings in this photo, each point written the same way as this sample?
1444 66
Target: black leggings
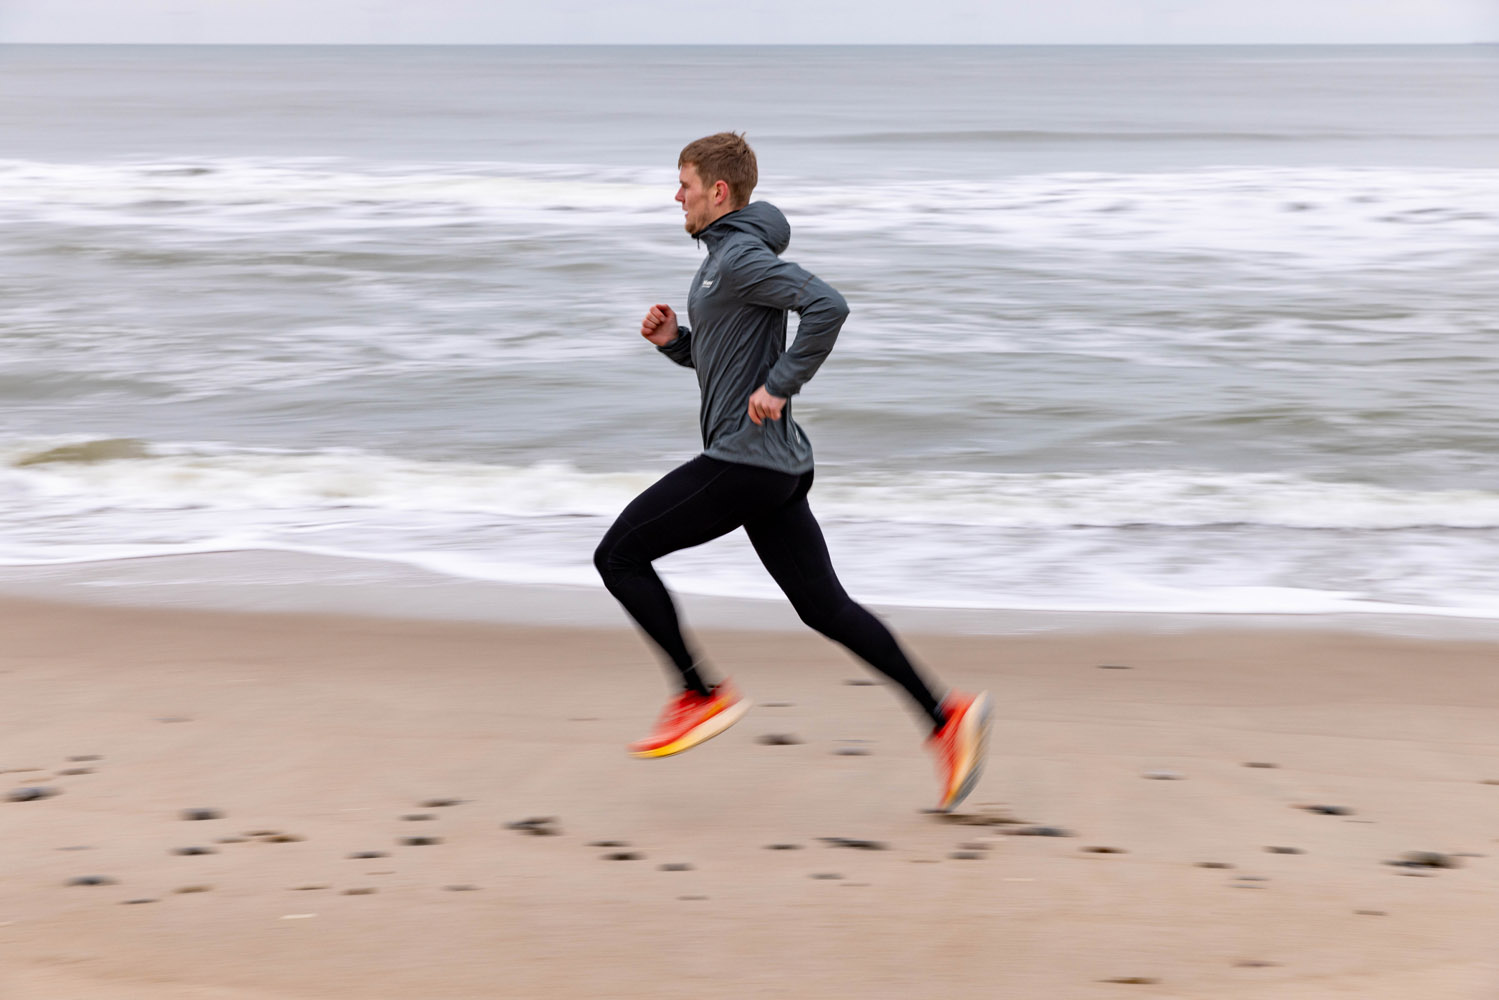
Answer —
707 498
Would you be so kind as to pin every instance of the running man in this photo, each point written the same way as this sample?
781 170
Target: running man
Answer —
756 467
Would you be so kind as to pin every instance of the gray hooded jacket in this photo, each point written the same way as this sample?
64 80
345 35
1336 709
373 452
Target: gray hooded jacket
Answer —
736 340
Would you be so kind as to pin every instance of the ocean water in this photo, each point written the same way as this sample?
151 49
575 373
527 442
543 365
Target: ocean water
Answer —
1137 329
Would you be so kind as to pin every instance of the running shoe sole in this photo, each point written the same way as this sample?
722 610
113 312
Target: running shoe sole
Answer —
700 733
974 733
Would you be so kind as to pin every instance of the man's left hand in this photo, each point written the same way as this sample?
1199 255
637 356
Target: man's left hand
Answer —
763 406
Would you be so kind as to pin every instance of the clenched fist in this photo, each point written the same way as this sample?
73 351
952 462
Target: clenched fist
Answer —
659 325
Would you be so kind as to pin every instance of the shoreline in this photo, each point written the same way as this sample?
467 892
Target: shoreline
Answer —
325 742
256 581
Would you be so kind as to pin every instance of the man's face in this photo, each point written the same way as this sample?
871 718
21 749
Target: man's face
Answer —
698 201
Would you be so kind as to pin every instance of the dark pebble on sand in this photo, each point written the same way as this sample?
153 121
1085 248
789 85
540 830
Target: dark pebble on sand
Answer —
84 758
1213 864
1042 831
282 838
679 866
201 814
624 856
852 752
1371 913
194 850
1105 850
135 902
1284 850
189 889
608 843
261 833
32 793
441 803
536 826
783 847
1426 859
420 841
92 880
826 875
360 892
860 682
1162 775
310 888
1255 963
1132 980
1328 810
461 888
854 843
362 855
778 740
967 855
1260 763
417 817
1113 666
71 772
232 840
777 704
692 897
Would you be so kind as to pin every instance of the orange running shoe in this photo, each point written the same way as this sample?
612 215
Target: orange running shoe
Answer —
960 746
690 719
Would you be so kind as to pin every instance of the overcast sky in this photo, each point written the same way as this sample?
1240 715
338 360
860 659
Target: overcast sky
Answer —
751 21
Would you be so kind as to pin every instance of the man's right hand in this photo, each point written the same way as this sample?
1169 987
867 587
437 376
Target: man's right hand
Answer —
659 325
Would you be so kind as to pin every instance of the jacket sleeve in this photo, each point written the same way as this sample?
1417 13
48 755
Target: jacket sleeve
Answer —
680 350
761 278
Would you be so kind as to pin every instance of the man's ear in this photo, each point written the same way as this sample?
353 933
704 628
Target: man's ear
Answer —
720 192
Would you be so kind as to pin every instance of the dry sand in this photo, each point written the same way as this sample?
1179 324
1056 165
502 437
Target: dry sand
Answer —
332 731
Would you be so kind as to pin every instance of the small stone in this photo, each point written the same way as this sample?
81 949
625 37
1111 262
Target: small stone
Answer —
608 843
32 793
1329 810
201 814
1113 666
692 897
1427 859
282 838
1254 963
71 772
232 840
309 888
966 855
360 892
826 875
262 833
777 740
783 847
187 889
136 902
1042 831
1371 913
362 855
77 847
417 817
852 752
84 758
1284 850
92 880
1489 781
1105 850
1132 980
461 888
536 826
420 841
777 704
1213 864
854 843
860 682
1253 878
623 856
1260 763
675 866
441 803
193 850
1162 775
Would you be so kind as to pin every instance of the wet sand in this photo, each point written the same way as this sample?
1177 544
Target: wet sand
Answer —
1226 804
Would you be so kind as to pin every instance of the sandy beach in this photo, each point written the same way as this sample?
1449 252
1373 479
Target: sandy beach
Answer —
444 810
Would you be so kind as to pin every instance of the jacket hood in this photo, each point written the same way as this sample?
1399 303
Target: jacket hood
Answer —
760 219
